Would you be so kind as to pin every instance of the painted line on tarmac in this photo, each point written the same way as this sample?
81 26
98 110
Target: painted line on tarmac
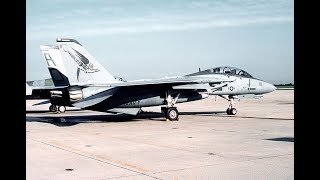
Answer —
141 173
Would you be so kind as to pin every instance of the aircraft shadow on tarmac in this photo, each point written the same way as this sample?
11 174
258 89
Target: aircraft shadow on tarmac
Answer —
46 111
70 120
284 139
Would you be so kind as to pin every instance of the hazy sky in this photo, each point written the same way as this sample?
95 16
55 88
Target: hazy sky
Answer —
152 39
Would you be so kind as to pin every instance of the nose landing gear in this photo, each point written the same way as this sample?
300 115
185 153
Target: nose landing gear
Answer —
231 110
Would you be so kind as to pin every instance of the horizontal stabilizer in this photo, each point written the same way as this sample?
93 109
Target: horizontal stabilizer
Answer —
42 82
41 103
48 87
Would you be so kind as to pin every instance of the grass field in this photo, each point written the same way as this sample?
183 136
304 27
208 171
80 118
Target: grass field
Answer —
285 87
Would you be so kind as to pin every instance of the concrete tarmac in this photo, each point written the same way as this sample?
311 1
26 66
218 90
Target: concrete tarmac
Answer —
206 143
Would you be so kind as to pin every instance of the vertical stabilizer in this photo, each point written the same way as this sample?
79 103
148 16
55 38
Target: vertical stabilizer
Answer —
80 66
55 65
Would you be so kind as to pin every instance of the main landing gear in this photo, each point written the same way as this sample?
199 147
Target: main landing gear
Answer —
171 113
59 109
231 111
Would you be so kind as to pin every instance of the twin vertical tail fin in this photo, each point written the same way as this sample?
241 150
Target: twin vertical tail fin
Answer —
56 65
69 63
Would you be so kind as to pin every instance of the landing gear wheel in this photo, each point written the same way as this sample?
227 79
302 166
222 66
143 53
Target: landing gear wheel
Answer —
228 111
62 109
53 108
172 114
231 111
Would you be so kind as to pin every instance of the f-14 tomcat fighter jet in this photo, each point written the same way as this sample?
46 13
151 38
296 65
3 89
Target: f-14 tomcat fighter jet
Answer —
81 81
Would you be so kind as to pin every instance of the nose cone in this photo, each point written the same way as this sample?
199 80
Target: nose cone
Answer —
270 88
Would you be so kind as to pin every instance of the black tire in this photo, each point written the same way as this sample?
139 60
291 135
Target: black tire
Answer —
53 108
172 114
233 111
228 111
164 110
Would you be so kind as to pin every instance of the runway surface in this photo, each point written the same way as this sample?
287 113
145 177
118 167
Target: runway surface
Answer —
206 143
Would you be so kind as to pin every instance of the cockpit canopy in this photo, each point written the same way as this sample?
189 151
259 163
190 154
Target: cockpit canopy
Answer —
224 70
